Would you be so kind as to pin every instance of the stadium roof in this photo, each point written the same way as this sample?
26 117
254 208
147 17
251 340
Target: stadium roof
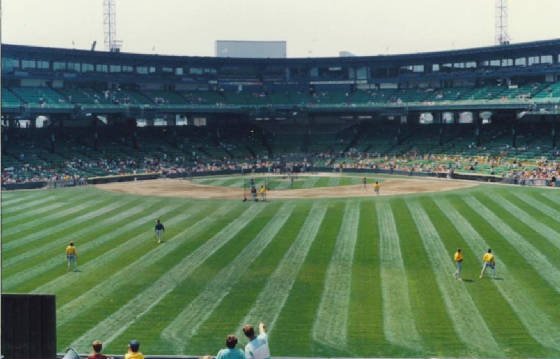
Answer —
551 47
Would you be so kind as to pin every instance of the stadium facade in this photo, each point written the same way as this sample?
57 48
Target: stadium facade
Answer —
488 78
270 101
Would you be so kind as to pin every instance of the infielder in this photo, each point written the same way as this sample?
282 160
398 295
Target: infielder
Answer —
376 187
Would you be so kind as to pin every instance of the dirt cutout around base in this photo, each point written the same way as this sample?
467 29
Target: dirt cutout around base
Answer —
187 189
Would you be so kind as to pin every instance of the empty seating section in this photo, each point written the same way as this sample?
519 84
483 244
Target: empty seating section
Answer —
161 97
46 96
9 99
550 92
41 96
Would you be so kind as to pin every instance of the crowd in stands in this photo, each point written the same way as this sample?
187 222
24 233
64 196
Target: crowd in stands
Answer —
256 348
73 162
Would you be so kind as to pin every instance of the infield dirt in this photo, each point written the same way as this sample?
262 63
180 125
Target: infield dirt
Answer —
188 189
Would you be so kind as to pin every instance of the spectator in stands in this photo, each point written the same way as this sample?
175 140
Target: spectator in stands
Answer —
231 352
133 352
97 347
257 348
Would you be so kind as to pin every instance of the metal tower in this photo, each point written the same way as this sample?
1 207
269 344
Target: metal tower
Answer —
110 26
501 22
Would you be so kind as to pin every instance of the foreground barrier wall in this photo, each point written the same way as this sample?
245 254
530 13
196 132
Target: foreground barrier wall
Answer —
28 326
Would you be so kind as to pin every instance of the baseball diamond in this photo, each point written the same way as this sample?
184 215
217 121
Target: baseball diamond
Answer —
352 276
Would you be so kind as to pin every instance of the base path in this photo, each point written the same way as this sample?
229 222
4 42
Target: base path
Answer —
188 189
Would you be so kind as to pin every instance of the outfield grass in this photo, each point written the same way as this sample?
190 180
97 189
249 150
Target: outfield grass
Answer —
368 277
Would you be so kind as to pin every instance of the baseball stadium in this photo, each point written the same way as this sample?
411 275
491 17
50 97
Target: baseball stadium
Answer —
326 197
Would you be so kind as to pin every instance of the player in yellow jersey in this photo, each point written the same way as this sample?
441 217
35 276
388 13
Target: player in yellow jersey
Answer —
262 191
488 261
72 256
376 187
458 258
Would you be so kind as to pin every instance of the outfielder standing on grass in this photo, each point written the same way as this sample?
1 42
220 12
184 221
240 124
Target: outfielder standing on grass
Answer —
72 256
488 261
159 230
458 257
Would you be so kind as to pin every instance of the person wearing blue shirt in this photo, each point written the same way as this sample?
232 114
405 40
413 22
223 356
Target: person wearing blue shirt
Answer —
231 352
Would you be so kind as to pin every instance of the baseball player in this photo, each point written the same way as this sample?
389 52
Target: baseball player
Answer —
376 187
72 256
159 231
458 257
488 262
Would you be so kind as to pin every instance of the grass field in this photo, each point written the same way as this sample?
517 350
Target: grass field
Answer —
367 277
282 182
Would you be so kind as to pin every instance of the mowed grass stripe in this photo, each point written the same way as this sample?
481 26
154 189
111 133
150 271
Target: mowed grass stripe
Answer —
303 299
37 250
538 324
487 299
9 232
19 210
398 320
188 322
538 205
44 267
146 240
225 319
57 228
433 321
334 181
467 320
546 232
310 182
331 325
21 197
365 315
531 254
284 183
322 182
151 296
272 298
149 265
22 211
62 210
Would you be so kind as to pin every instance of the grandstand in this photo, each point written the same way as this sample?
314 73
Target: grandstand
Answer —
237 113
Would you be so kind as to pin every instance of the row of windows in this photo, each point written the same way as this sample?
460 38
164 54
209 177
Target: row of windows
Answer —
9 64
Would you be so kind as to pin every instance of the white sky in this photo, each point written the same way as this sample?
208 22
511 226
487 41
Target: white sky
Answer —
311 27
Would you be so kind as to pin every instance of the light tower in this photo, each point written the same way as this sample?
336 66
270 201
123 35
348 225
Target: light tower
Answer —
501 22
110 26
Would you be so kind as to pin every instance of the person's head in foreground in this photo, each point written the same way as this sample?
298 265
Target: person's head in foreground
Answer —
72 243
133 346
489 250
249 331
97 346
459 250
231 341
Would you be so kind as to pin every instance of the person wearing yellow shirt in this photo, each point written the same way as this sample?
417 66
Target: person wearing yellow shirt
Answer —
72 256
376 187
133 352
488 262
458 257
263 192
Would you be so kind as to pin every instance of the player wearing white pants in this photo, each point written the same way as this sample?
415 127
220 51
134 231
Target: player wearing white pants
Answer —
159 231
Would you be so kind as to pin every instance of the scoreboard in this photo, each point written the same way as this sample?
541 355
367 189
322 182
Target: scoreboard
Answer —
250 49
